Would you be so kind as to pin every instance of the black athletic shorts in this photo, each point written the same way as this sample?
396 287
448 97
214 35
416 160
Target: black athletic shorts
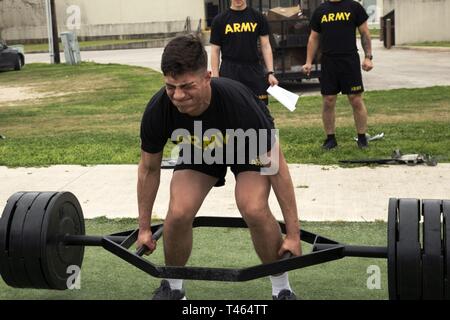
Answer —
252 75
341 73
218 170
250 162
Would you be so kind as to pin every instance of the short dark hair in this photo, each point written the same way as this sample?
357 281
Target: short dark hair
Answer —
184 54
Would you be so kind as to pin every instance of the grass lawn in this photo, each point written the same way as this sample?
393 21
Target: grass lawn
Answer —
431 44
104 276
374 32
90 114
39 47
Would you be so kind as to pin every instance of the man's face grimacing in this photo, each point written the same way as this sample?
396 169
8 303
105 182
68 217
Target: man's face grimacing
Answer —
190 92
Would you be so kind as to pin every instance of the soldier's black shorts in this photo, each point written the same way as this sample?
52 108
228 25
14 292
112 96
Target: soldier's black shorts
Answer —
218 170
341 73
252 75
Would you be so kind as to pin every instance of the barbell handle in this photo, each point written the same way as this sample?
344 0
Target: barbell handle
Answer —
140 251
143 249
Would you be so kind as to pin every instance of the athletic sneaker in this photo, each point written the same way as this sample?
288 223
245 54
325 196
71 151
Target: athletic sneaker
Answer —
362 143
165 293
285 295
329 143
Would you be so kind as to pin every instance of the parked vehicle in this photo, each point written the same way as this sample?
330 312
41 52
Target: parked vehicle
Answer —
11 58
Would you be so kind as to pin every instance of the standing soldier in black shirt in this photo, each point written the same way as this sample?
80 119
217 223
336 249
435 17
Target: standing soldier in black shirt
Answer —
204 116
235 34
334 24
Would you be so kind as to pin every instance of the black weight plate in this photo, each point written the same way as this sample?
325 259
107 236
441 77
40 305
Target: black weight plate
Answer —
446 229
392 248
32 240
409 269
432 259
5 223
16 260
62 217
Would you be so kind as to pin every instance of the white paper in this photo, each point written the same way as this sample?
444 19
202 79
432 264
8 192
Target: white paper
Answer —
285 97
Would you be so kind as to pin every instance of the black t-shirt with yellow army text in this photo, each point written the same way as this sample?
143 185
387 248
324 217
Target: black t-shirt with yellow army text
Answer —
237 33
233 107
337 22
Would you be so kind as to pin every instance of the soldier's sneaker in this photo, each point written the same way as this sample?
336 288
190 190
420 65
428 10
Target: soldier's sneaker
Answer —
285 295
329 143
362 143
164 292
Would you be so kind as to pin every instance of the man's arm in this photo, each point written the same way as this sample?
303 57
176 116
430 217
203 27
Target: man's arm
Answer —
215 60
149 171
284 190
366 44
313 46
267 54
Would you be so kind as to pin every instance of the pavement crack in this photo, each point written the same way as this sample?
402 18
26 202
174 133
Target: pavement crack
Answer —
75 179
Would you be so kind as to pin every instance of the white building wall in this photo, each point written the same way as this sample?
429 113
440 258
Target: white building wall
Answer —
25 19
420 20
388 6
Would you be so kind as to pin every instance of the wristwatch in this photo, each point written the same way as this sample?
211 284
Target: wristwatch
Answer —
370 57
270 72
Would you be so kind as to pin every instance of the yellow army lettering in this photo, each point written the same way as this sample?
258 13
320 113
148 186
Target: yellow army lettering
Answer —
338 16
215 141
241 27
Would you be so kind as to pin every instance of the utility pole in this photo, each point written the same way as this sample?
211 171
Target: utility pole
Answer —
52 29
55 32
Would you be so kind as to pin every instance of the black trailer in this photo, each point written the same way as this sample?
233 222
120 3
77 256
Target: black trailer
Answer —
288 38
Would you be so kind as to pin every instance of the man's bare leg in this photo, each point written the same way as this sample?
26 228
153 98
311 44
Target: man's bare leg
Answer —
329 113
188 189
252 192
359 112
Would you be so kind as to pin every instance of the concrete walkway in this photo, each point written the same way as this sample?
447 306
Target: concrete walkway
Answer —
324 193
